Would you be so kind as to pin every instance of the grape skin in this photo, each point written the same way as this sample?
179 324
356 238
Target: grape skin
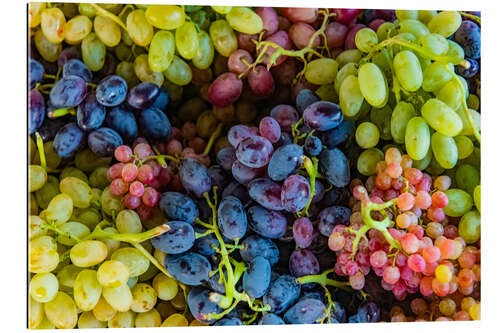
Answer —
190 268
266 193
177 206
306 311
267 223
282 293
284 161
257 277
180 238
231 218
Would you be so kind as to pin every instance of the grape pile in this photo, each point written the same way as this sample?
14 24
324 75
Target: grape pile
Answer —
215 165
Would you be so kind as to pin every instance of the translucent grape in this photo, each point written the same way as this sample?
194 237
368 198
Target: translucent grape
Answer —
444 149
367 135
414 27
43 287
365 39
48 50
138 27
112 273
469 227
178 72
445 23
135 261
321 71
223 37
436 75
120 298
459 202
186 40
52 24
88 320
93 52
245 20
166 17
408 70
76 29
107 30
150 318
122 320
86 290
143 298
417 138
205 52
441 117
350 96
61 311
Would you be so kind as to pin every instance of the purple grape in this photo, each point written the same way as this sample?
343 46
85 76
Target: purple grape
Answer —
323 116
190 268
244 174
90 114
282 293
194 177
109 67
154 124
143 95
205 245
305 98
319 192
78 68
68 92
50 127
266 193
225 89
284 161
286 115
231 218
111 91
295 193
332 216
254 246
178 206
104 141
303 232
69 140
218 176
226 157
36 111
306 311
179 239
313 145
335 166
267 223
270 129
199 304
67 54
285 139
385 14
215 282
254 152
35 74
303 262
469 36
261 82
238 133
257 277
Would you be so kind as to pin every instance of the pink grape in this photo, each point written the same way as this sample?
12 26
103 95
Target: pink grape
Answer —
335 34
410 243
239 61
280 38
123 153
300 33
238 133
150 197
307 15
131 202
261 82
378 259
225 89
245 41
118 186
129 172
115 171
351 35
145 174
143 150
269 20
136 189
416 262
391 274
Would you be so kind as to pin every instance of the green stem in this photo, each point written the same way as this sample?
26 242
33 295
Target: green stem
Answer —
61 112
60 232
161 159
323 280
41 150
312 171
471 17
463 103
211 141
103 12
131 238
151 258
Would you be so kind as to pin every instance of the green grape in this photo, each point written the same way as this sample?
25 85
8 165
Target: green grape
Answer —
61 311
477 197
368 160
138 27
205 52
445 23
405 37
37 177
145 73
114 8
245 20
451 93
151 318
166 287
59 210
347 56
122 320
45 324
366 39
321 71
120 298
455 50
436 75
93 52
161 51
222 9
127 221
373 85
425 16
166 17
98 178
384 62
107 30
408 70
149 274
223 37
469 227
52 24
35 313
406 14
47 192
414 27
424 162
201 18
86 9
135 261
33 205
78 190
385 30
88 216
350 68
112 273
350 96
459 202
88 320
53 160
77 29
444 149
417 138
186 40
111 244
126 71
143 298
367 135
35 228
473 102
467 178
178 72
206 124
111 204
434 44
88 253
87 161
87 290
327 93
75 229
424 63
73 172
48 50
441 117
67 276
103 311
43 287
434 168
123 52
476 121
400 117
465 146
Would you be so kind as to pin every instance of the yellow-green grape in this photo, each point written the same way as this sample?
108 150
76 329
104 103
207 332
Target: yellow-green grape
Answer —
373 85
112 273
347 56
436 75
205 53
78 190
61 311
406 14
459 202
445 23
368 160
93 52
414 27
88 216
473 101
43 287
178 72
417 138
67 276
114 8
59 210
444 149
122 320
33 205
145 73
52 24
120 298
467 178
186 40
382 119
245 20
143 298
465 146
35 228
48 50
424 63
321 71
86 9
477 197
86 290
366 39
88 253
408 70
35 313
77 29
469 227
127 221
400 117
138 27
88 320
70 231
45 324
350 96
126 70
424 162
441 117
111 204
223 37
86 160
451 93
175 320
53 160
348 69
435 44
135 261
161 51
111 244
425 16
384 30
107 30
37 177
367 135
98 178
327 93
476 121
73 172
35 10
166 17
165 287
455 50
151 318
103 311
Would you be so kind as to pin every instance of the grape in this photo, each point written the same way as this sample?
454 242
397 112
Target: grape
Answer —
322 116
36 111
43 287
104 141
36 72
190 268
441 117
143 298
417 138
122 121
281 39
88 253
238 61
373 85
445 23
254 151
400 117
350 96
261 82
200 305
459 202
38 177
43 256
285 115
408 70
231 218
304 99
112 273
307 15
267 223
313 145
282 293
61 311
226 157
139 28
77 68
177 206
366 39
469 36
321 71
216 284
90 114
257 277
351 36
166 17
93 52
88 320
266 193
269 19
119 298
161 51
111 91
178 72
367 135
331 217
303 262
303 232
143 95
467 178
68 140
68 92
48 50
301 33
194 177
469 227
295 193
78 190
335 166
254 246
52 24
154 124
225 90
284 161
223 37
445 150
306 311
205 53
342 134
204 245
86 290
186 40
271 319
180 238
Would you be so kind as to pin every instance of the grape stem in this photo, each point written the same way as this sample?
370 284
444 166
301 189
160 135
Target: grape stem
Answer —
128 237
211 141
160 158
41 150
61 112
323 280
312 171
471 17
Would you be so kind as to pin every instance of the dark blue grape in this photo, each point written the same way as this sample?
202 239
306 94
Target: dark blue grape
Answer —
67 54
111 91
226 157
143 95
154 124
336 196
237 190
257 277
244 174
216 284
254 151
229 322
313 145
367 313
285 115
342 134
282 293
50 127
303 262
323 116
469 36
190 268
78 68
205 245
319 192
284 161
271 319
305 98
332 216
36 111
267 223
266 193
306 311
68 92
103 141
35 74
69 140
295 193
194 177
469 72
285 139
90 114
179 239
162 100
218 177
337 313
319 244
123 121
231 218
368 16
254 246
178 206
199 304
335 166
